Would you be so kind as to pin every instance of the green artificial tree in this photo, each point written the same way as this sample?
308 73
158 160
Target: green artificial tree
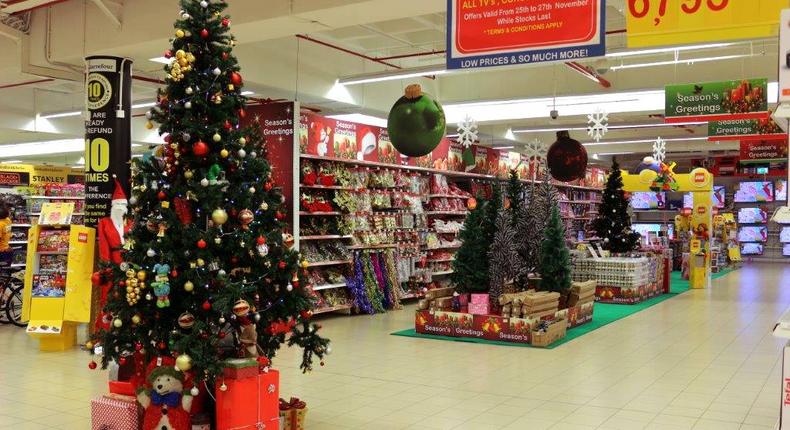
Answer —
470 269
492 206
515 197
215 274
555 263
613 223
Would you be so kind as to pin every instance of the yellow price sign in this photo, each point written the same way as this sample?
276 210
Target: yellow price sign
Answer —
679 22
695 246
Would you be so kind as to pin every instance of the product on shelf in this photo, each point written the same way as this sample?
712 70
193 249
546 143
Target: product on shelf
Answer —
53 241
620 279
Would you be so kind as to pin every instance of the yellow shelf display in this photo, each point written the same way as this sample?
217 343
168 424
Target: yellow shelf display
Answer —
57 294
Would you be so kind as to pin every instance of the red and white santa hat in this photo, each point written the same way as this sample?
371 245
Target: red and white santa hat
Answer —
118 196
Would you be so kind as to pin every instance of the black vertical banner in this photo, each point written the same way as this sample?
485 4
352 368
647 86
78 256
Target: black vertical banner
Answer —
108 145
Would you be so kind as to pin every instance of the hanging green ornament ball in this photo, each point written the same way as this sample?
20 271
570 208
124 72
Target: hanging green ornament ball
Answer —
567 158
416 123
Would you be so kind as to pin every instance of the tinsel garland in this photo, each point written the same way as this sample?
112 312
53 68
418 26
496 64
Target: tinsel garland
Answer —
375 258
356 285
371 286
392 278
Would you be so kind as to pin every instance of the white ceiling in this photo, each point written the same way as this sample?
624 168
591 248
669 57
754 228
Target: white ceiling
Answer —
277 64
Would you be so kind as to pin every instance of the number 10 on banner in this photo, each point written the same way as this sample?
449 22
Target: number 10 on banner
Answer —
677 22
97 159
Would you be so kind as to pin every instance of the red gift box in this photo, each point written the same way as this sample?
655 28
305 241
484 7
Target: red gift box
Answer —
236 411
478 308
240 368
115 414
123 388
479 299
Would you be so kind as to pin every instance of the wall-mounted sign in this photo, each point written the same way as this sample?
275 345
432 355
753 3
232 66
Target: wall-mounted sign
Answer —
665 22
744 129
489 33
712 101
108 139
29 174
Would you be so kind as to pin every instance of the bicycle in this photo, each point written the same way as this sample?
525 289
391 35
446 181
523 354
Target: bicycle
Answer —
11 287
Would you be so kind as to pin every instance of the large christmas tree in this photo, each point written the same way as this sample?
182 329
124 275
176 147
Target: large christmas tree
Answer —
209 273
555 263
613 223
470 267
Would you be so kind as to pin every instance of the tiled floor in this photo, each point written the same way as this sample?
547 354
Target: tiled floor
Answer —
704 360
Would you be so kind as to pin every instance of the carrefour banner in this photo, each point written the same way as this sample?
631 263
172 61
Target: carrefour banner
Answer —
488 33
108 148
717 101
671 22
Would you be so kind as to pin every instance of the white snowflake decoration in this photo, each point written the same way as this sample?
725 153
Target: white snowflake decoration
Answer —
659 149
598 124
467 131
535 150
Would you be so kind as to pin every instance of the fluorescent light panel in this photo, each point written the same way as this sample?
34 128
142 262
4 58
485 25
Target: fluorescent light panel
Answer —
667 50
392 75
47 147
361 119
688 61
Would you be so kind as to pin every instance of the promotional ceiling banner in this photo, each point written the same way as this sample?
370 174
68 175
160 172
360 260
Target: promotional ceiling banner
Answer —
29 174
744 129
489 33
671 22
763 151
717 101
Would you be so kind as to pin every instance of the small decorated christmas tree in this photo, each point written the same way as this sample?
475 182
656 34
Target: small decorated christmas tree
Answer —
470 267
209 272
555 264
613 224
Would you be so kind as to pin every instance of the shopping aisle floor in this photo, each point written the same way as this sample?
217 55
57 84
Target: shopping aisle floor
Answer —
702 360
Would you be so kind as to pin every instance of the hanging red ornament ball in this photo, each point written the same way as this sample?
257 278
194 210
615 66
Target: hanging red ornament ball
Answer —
174 273
92 365
279 215
206 305
225 22
306 314
282 265
167 138
225 55
204 33
471 203
234 260
221 335
200 148
567 158
268 186
261 240
161 195
235 78
201 244
228 125
96 278
242 113
122 361
161 345
168 53
138 346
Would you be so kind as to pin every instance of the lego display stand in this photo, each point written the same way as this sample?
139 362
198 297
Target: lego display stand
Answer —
57 294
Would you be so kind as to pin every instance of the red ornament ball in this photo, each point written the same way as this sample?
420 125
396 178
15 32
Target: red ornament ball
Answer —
221 335
261 240
174 273
471 203
282 265
228 125
567 158
225 55
161 195
242 113
268 185
138 346
96 278
279 215
206 305
200 148
167 138
306 314
204 33
235 78
201 244
92 365
168 53
161 345
122 361
225 22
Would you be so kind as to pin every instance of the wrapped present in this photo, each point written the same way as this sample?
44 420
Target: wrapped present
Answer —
293 414
248 403
479 299
115 413
239 368
123 388
478 308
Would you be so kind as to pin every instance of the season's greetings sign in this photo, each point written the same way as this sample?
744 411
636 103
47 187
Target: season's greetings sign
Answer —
744 129
673 22
712 101
488 33
761 151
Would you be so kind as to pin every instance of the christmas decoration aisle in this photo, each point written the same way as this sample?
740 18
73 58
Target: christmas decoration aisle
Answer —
215 273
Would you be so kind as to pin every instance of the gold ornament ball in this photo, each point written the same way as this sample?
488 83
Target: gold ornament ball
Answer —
189 286
184 362
129 289
179 33
216 137
136 319
149 125
188 174
180 54
201 262
190 57
242 141
89 345
264 206
305 264
117 323
219 216
141 275
223 153
231 87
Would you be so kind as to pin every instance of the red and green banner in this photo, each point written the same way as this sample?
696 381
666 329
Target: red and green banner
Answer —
744 129
763 151
717 101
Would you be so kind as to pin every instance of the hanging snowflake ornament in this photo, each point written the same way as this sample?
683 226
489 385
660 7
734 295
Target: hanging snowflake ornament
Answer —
467 131
598 124
659 150
535 150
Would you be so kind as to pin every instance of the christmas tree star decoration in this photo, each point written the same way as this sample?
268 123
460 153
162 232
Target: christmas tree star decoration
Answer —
659 150
598 124
467 131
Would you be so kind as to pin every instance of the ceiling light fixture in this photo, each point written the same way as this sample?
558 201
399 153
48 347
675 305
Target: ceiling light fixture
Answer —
361 118
688 61
47 147
11 161
667 50
393 75
503 147
61 114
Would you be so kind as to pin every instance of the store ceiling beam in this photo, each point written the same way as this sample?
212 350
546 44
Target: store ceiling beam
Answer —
102 5
346 50
15 6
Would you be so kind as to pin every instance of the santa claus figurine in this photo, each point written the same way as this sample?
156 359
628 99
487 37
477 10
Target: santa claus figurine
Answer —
111 239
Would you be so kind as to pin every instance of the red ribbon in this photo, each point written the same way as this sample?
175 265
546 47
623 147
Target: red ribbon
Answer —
294 403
